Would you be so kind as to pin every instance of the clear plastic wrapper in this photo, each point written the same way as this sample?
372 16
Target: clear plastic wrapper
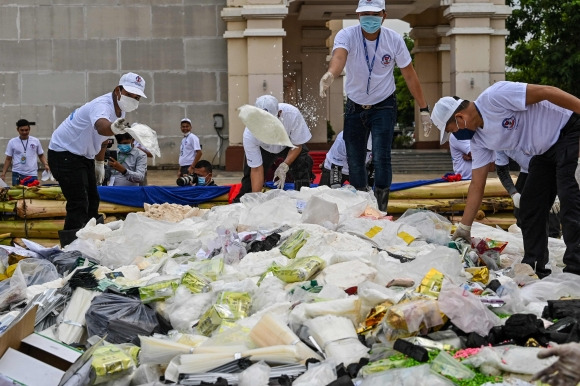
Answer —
256 375
301 269
292 244
110 362
318 374
447 365
160 290
433 227
413 315
195 282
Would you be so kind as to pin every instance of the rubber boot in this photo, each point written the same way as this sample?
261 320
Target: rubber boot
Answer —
300 183
101 219
67 236
382 196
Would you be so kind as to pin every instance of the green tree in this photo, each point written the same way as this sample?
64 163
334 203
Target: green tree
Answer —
543 45
405 101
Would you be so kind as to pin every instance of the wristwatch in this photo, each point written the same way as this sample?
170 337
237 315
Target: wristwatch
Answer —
424 109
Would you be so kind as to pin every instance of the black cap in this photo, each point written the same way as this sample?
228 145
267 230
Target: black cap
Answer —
24 122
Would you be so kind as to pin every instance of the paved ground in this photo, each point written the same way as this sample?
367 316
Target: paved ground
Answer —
222 177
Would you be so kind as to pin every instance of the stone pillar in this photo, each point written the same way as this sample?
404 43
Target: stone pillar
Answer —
254 33
477 42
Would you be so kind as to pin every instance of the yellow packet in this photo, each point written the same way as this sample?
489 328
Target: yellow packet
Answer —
301 269
480 274
109 363
431 283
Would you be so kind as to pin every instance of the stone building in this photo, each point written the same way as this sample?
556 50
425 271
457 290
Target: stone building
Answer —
206 57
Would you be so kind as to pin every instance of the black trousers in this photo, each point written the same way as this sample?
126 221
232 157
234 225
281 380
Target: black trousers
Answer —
554 228
325 177
551 173
301 169
76 177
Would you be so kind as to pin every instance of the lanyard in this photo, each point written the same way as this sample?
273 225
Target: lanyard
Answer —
370 64
25 147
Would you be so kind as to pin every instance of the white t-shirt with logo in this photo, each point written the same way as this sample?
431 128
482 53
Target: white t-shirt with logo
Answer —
511 125
295 126
391 50
459 147
77 133
24 155
189 146
503 158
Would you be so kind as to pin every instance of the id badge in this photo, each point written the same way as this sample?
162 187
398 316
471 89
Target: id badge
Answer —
23 159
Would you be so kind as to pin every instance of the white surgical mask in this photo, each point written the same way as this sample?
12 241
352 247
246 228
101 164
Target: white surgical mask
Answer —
128 104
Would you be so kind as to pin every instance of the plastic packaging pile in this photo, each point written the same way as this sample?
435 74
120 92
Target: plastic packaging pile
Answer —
315 287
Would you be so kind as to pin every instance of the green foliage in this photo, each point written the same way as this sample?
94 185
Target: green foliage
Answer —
402 142
329 132
405 101
543 45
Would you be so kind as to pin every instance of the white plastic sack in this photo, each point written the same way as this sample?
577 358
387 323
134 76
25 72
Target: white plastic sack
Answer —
146 136
264 126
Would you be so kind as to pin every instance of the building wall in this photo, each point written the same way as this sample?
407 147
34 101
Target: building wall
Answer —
58 54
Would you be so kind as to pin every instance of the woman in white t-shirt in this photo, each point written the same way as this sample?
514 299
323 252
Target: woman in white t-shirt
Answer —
23 152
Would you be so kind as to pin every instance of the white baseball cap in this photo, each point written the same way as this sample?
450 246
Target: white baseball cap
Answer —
186 120
133 83
268 103
442 112
370 5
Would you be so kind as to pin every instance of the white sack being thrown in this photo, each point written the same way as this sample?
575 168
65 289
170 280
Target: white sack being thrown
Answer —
146 136
264 126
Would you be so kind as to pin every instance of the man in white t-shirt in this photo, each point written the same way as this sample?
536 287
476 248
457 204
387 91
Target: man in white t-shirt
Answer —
260 156
189 151
76 151
461 156
23 152
537 120
369 52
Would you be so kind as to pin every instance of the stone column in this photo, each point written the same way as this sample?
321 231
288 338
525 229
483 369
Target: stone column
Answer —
254 34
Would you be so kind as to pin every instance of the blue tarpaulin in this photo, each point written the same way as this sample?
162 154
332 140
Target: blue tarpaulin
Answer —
138 195
394 186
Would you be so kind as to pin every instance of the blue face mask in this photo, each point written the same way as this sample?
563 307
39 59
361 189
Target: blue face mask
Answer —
124 148
200 181
371 24
464 134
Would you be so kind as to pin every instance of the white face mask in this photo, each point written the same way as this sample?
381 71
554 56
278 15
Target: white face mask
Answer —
127 104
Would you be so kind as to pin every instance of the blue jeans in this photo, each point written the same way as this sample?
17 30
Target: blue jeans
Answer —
359 123
17 177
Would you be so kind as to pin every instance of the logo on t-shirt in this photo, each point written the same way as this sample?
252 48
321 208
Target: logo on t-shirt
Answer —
509 123
386 59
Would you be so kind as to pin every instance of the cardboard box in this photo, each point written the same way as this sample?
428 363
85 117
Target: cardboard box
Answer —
33 359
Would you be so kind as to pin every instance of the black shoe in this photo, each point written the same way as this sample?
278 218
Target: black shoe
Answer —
382 196
543 272
67 236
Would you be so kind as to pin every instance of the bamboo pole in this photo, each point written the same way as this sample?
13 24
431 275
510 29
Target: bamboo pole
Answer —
36 208
42 229
493 204
7 206
502 220
493 188
39 192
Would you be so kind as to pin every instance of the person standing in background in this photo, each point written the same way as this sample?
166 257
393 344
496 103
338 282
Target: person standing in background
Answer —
23 152
369 52
461 156
190 150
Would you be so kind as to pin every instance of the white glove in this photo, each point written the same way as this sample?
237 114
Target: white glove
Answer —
426 122
119 126
577 173
462 232
325 83
280 174
555 206
566 370
100 171
516 197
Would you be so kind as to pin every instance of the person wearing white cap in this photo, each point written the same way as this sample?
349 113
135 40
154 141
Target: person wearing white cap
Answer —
370 52
189 151
76 151
260 156
461 156
537 120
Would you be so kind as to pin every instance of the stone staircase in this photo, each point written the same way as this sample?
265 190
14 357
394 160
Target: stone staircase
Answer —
412 161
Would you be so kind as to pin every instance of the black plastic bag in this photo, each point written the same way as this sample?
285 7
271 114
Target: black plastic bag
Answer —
121 318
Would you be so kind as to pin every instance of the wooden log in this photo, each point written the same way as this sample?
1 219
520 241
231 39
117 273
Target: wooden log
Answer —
489 204
35 208
502 220
48 243
42 229
457 189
